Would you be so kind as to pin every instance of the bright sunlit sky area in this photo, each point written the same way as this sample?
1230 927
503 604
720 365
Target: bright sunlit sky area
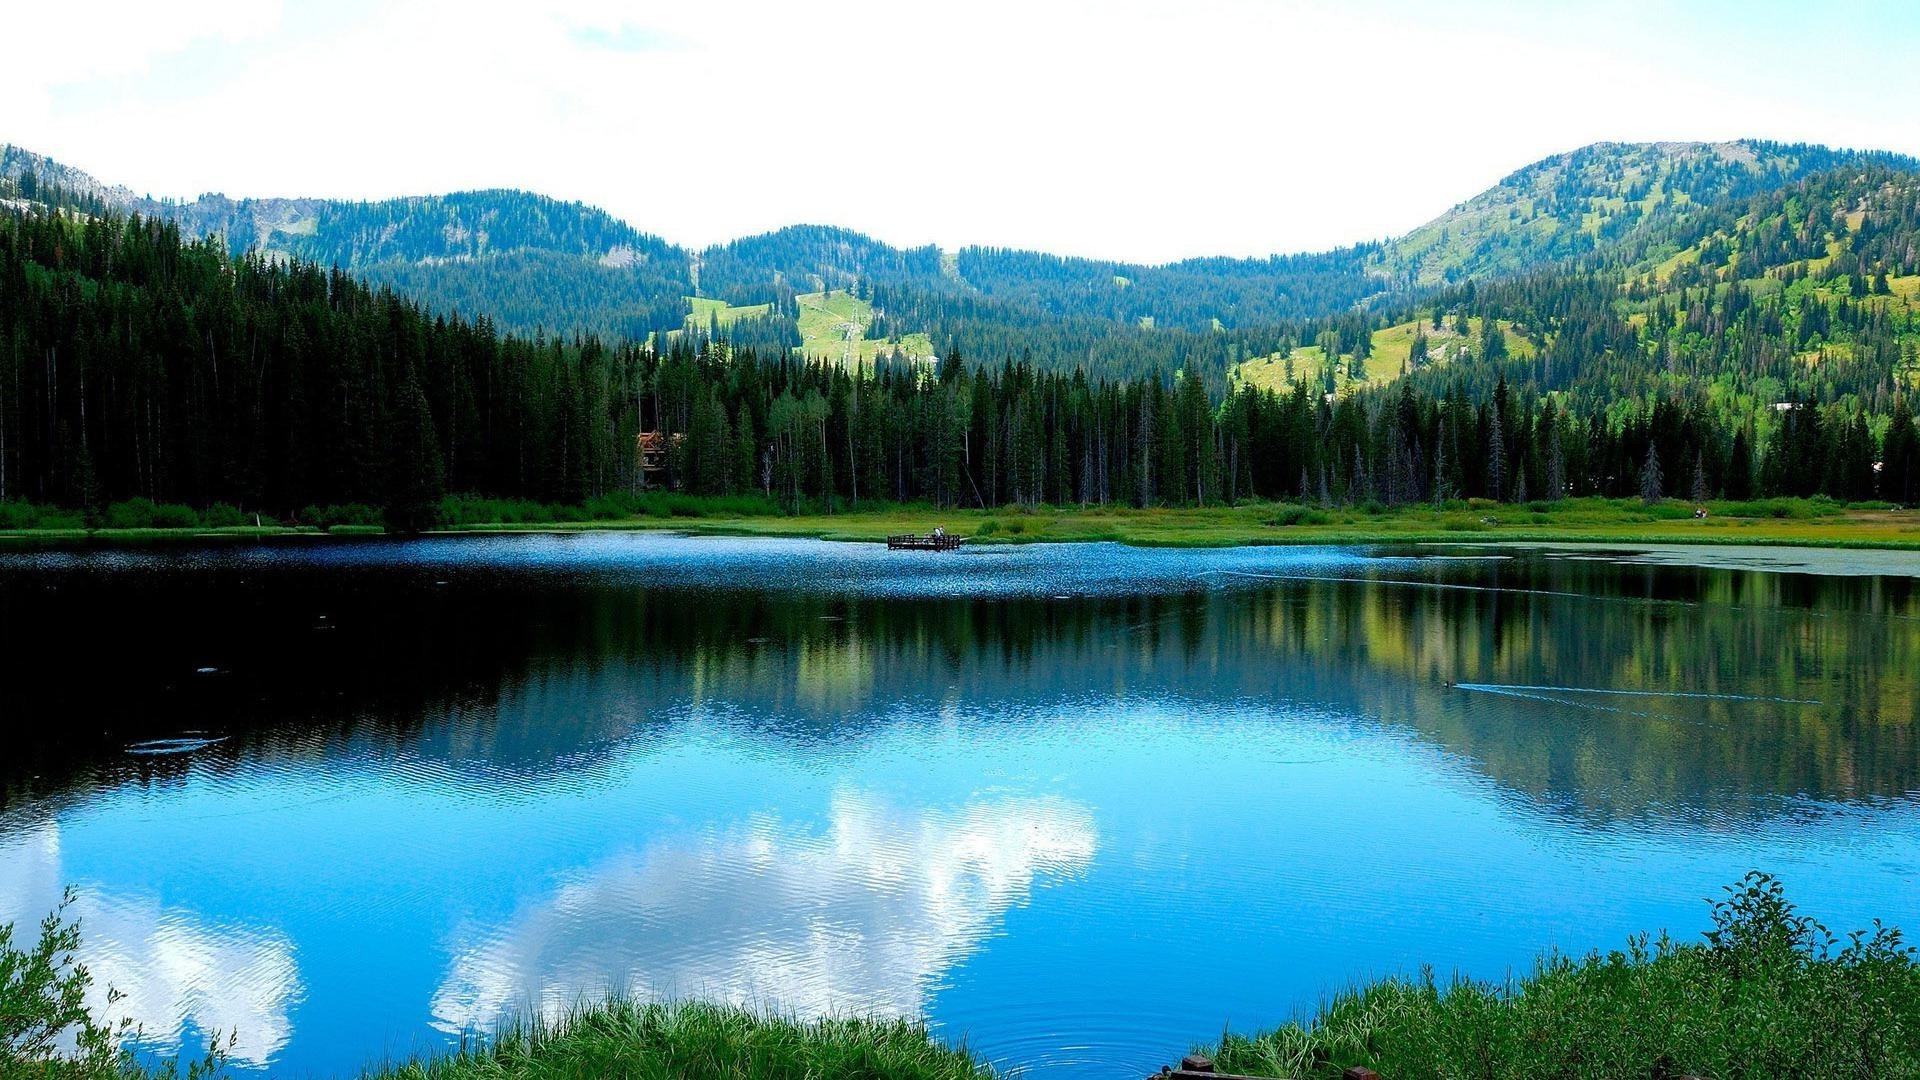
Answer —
1143 131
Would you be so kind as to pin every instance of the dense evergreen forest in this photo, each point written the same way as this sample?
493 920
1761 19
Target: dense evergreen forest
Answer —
137 363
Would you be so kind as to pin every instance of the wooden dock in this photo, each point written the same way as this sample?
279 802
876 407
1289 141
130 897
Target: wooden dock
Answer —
929 542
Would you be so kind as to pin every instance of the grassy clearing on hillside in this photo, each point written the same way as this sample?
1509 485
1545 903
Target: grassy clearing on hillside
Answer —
706 309
833 325
1392 348
1769 993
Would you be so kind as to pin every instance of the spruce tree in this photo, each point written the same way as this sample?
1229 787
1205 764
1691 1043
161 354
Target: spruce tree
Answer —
1650 492
1900 456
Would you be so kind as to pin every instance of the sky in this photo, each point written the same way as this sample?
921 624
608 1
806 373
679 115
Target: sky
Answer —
1108 128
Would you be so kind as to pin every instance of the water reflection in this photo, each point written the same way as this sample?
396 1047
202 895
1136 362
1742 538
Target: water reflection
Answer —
179 977
858 919
348 800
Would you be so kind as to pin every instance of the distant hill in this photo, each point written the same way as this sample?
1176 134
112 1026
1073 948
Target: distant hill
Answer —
530 263
1594 199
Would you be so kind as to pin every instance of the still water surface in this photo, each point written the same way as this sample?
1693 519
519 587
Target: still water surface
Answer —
1079 805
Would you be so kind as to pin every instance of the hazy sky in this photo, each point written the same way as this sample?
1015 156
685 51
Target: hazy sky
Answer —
1147 131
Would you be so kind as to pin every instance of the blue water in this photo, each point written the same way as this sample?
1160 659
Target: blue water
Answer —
1080 806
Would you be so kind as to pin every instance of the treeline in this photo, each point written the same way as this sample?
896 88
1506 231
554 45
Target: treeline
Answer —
134 364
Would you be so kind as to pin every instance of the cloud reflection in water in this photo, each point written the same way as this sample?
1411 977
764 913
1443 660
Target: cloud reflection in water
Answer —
173 968
860 918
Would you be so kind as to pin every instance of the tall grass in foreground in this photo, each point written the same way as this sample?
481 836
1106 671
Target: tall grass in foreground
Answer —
695 1041
1768 994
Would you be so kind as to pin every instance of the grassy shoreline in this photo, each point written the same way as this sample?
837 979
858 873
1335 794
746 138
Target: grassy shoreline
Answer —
1797 522
1767 991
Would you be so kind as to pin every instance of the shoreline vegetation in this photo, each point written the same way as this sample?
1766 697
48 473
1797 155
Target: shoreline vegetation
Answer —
1766 992
1814 522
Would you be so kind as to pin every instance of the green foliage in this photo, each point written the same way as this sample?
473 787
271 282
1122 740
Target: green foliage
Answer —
1769 993
144 513
1298 515
701 1042
25 515
47 1031
349 514
355 397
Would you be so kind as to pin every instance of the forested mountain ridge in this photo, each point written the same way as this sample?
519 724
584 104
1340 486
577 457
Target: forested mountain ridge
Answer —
530 264
1587 201
136 364
524 261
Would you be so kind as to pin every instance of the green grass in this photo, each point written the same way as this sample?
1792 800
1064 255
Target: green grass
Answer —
1811 522
707 309
1392 346
833 325
1768 993
1814 522
694 1041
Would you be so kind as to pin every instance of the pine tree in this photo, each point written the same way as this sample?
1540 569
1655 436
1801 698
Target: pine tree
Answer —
1496 456
1740 465
1900 456
1650 476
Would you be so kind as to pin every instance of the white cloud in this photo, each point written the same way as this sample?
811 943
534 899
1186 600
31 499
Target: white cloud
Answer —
172 967
1118 128
857 920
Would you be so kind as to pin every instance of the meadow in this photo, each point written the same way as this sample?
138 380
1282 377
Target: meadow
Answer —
1816 522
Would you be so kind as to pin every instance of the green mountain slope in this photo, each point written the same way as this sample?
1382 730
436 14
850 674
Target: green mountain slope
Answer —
531 263
1599 198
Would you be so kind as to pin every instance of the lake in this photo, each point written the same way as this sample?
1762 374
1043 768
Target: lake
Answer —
1080 805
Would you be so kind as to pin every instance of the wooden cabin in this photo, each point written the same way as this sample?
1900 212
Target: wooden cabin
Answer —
652 446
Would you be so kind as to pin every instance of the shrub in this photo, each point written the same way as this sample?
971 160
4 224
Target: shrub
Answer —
175 516
144 513
1769 992
349 514
16 514
1298 515
131 514
45 1028
224 516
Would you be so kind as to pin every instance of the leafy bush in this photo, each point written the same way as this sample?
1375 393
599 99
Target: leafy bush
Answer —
46 1031
15 514
175 516
131 514
1768 993
144 513
224 516
1298 515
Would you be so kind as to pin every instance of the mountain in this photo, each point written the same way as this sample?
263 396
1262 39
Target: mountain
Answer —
142 368
525 261
531 264
1597 198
